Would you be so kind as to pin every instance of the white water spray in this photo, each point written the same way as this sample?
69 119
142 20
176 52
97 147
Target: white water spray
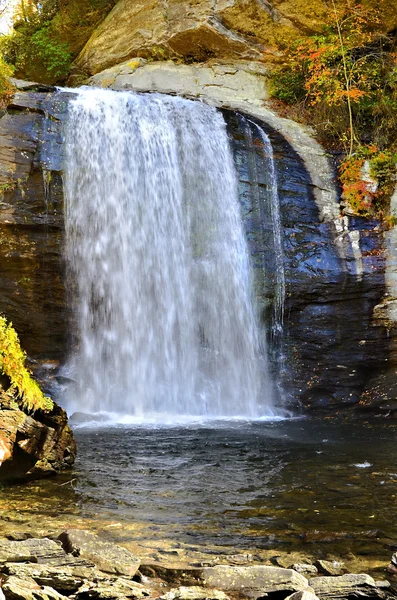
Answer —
157 253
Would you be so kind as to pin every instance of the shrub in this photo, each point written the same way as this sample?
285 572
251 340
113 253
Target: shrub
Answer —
12 364
368 193
6 89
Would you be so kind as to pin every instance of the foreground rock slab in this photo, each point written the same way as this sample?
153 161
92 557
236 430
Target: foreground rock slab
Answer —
65 579
256 581
108 557
28 589
194 592
114 588
346 586
32 550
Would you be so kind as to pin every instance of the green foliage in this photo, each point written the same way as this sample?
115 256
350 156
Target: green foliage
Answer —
48 35
36 54
6 88
344 83
53 54
12 364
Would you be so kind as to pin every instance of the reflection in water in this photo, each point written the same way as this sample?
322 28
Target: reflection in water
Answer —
297 485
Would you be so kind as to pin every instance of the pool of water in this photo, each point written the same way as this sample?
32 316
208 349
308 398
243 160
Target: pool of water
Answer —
317 487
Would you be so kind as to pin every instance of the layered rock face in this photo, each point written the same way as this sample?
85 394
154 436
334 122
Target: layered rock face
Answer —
32 292
199 30
334 275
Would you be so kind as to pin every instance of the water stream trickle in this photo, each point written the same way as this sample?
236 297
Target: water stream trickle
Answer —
158 262
278 251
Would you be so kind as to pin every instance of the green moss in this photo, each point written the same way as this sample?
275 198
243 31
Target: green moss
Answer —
12 364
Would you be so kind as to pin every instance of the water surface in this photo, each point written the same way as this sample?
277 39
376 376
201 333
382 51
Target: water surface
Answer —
321 488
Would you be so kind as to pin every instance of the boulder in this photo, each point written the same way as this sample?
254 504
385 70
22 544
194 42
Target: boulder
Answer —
255 581
331 567
344 586
108 557
35 446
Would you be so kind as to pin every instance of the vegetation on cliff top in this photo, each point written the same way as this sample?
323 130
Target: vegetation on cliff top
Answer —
23 389
344 83
49 34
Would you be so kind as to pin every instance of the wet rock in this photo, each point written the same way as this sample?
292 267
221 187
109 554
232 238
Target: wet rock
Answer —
194 593
255 581
173 575
34 446
346 586
31 86
288 560
331 567
108 557
32 292
392 568
80 417
303 569
114 588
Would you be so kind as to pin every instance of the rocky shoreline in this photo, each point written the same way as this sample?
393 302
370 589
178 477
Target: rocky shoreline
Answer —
80 565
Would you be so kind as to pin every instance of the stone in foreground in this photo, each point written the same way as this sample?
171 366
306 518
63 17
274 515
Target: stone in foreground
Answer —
346 586
108 557
194 592
28 589
114 588
32 550
256 581
65 579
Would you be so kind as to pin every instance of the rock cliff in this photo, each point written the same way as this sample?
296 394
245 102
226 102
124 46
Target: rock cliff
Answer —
200 30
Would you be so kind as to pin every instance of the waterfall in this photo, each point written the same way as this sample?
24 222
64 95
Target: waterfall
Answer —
158 264
278 250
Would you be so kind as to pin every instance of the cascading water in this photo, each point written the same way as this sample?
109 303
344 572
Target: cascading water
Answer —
158 262
278 251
